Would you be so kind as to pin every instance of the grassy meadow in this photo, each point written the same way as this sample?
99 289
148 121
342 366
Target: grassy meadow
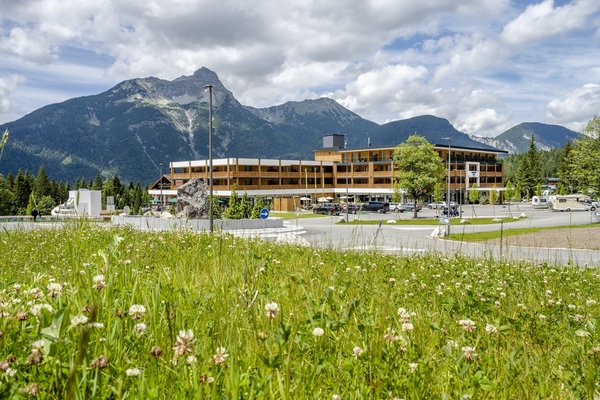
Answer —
92 312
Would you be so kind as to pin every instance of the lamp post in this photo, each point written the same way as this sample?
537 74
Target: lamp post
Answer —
347 172
161 186
449 139
210 160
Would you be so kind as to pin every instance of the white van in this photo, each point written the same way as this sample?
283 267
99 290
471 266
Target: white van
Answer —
539 202
567 202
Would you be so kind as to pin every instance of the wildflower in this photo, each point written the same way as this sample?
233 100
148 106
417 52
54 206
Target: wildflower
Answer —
36 309
390 335
99 282
97 325
17 287
412 367
133 372
590 303
184 343
54 289
206 379
191 360
137 311
35 357
489 328
318 332
469 353
99 363
336 397
407 327
140 328
79 320
272 309
21 315
356 352
33 389
542 317
220 356
156 351
467 325
392 281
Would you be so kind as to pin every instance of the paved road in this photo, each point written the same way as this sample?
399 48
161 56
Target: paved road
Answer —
406 239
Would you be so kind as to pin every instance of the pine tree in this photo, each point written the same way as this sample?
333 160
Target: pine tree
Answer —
246 206
22 191
41 184
564 169
530 171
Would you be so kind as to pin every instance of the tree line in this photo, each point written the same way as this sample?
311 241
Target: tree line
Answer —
20 193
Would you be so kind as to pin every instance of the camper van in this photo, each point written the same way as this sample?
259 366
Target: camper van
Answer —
568 202
539 202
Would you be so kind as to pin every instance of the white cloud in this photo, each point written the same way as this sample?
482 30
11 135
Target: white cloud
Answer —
576 108
8 84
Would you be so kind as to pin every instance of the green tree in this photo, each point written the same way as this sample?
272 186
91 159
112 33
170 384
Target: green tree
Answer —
246 206
23 183
258 206
419 168
565 177
31 204
438 193
530 171
41 183
234 209
538 189
96 183
473 194
45 205
584 158
509 193
493 197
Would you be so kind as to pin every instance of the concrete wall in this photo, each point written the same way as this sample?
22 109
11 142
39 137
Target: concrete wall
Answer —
198 225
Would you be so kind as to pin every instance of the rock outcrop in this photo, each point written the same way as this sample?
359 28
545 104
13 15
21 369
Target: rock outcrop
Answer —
192 200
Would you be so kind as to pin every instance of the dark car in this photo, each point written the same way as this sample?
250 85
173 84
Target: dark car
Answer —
327 208
379 206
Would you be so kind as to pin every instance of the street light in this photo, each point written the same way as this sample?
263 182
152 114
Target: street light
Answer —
210 160
161 186
449 139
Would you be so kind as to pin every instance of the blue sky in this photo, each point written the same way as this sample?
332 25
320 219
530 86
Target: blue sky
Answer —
485 65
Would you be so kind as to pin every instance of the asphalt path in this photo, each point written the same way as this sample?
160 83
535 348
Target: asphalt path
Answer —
417 239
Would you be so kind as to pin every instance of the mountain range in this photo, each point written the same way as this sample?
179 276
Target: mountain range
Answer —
132 128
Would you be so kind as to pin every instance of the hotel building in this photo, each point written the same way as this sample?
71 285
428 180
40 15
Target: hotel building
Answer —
335 173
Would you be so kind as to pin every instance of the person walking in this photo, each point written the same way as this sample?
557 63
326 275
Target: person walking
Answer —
34 214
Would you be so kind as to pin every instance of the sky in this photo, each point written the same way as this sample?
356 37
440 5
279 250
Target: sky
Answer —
485 65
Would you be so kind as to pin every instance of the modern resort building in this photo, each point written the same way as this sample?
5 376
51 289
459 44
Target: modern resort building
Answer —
336 173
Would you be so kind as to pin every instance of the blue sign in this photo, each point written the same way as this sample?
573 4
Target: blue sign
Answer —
264 213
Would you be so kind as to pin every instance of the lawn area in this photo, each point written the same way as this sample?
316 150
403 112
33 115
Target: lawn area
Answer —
93 312
491 235
292 215
435 221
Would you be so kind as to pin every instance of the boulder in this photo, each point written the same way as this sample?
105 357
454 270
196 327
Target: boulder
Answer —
192 200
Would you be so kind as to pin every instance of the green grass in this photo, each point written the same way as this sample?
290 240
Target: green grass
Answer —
434 221
534 336
292 215
491 235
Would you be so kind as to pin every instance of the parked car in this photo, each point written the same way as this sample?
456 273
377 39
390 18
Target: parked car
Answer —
591 205
436 206
327 208
379 206
411 206
352 208
397 207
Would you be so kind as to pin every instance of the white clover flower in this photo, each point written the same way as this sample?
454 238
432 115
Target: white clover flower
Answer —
318 332
220 356
489 328
79 320
137 311
412 367
140 328
336 397
467 325
271 309
542 317
191 360
36 309
38 345
54 289
407 327
590 303
10 372
469 353
184 342
356 352
97 325
133 372
99 282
